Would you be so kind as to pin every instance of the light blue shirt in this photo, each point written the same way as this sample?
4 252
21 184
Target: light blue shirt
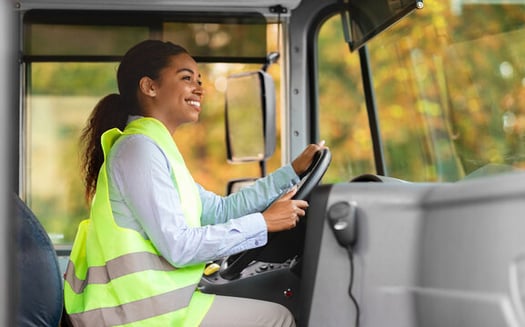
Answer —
144 198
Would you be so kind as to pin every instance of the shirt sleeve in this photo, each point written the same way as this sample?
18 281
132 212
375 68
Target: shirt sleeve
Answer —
140 173
254 198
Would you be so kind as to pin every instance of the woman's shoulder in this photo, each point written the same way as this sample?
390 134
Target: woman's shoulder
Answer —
135 143
137 148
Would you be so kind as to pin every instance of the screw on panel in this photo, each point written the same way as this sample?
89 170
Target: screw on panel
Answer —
278 9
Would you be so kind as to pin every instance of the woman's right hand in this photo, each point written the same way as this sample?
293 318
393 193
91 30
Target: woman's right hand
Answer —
284 213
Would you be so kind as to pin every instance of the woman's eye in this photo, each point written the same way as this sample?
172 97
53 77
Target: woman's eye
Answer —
186 78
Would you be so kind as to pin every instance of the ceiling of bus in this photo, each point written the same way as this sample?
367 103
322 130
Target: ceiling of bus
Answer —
179 5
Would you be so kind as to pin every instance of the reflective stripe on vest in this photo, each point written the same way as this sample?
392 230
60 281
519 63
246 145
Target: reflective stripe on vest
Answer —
134 311
117 277
121 266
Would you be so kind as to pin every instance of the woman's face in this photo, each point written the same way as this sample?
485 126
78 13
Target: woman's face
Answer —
178 93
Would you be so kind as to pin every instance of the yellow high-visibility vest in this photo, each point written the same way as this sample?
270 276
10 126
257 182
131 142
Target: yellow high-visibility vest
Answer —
115 277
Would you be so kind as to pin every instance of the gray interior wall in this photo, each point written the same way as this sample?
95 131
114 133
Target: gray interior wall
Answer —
472 260
386 254
426 255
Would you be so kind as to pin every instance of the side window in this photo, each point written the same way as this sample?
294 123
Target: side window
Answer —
59 100
65 80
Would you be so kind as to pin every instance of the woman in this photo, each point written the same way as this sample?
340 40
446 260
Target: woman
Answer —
139 257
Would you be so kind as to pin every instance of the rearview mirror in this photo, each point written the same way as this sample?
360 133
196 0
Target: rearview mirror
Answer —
250 117
364 19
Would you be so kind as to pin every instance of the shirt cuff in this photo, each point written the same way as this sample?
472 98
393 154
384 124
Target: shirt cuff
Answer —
256 230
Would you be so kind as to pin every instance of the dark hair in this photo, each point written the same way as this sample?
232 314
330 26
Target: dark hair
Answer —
145 59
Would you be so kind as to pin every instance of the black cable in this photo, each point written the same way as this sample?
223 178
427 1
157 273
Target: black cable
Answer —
352 297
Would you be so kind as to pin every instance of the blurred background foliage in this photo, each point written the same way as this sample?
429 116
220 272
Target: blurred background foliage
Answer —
449 83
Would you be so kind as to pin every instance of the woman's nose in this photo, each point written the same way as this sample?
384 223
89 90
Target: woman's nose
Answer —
198 89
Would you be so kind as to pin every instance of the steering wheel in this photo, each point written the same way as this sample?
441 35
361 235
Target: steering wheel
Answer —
233 265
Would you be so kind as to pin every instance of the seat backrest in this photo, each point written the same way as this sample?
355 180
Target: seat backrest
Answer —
39 291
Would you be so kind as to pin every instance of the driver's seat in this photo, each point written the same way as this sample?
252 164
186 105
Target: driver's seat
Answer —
39 281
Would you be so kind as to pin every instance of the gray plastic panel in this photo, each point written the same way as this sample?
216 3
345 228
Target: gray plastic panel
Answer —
426 255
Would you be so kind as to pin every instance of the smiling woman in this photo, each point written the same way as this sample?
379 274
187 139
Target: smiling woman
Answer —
150 216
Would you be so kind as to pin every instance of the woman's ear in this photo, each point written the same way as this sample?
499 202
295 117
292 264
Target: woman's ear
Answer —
147 86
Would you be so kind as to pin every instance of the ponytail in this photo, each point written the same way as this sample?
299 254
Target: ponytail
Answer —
107 114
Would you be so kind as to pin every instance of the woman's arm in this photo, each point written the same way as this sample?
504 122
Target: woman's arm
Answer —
254 198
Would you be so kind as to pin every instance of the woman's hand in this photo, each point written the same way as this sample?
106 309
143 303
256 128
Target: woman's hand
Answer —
284 213
304 160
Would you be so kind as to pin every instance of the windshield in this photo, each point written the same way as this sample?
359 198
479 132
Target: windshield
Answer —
449 82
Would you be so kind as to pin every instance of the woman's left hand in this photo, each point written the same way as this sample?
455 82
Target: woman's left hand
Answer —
304 160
